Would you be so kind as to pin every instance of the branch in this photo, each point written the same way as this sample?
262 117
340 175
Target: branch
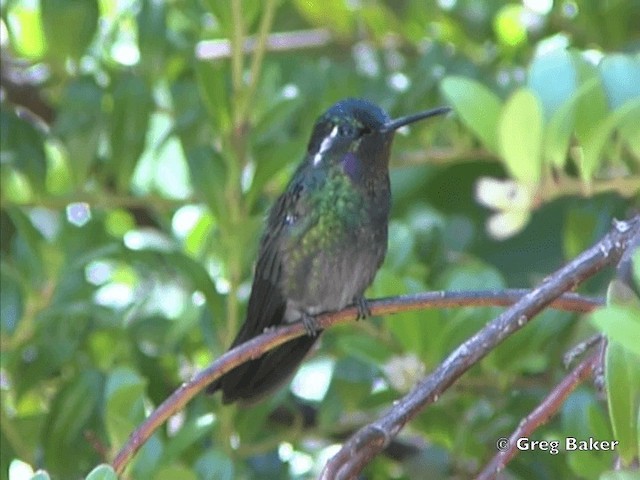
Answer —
372 438
543 412
214 49
271 339
104 200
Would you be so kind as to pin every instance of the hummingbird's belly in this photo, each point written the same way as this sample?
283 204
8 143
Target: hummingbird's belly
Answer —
331 280
331 255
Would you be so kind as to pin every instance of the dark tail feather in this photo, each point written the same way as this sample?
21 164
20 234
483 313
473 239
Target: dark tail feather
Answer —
252 380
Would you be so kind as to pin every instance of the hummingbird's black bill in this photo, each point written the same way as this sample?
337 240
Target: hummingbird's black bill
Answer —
402 121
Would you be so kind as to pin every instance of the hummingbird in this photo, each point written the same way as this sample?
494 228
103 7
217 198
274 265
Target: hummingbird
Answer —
324 240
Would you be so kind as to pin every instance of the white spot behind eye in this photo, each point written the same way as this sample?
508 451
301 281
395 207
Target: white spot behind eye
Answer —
325 145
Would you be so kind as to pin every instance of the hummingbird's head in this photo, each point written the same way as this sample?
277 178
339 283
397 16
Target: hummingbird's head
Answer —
359 128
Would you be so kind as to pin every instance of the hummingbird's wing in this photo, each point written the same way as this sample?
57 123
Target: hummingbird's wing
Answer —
267 305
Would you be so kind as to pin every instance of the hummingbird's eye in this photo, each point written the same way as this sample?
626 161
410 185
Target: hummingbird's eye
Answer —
345 130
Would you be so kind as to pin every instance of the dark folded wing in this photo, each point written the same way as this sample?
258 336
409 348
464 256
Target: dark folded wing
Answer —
266 308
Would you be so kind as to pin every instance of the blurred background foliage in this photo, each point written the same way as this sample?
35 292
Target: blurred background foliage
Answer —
141 148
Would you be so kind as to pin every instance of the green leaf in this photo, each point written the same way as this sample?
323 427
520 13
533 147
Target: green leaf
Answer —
30 247
275 116
132 105
554 79
200 279
621 324
24 25
79 124
212 86
152 41
629 131
215 465
379 19
622 376
478 107
175 471
190 120
208 173
471 275
269 164
69 26
631 474
124 397
351 384
149 457
577 222
189 269
334 13
529 352
411 330
577 422
363 347
621 293
11 302
594 143
72 410
22 147
102 472
190 433
402 243
560 127
222 12
520 136
621 78
592 110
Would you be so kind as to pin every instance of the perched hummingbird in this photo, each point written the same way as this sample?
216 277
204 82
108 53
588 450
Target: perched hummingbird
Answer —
325 239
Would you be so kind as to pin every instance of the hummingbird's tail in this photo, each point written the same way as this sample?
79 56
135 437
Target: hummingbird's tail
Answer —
253 380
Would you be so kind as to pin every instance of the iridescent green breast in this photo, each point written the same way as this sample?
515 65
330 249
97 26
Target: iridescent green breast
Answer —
332 213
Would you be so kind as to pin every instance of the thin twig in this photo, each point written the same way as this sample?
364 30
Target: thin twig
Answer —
580 348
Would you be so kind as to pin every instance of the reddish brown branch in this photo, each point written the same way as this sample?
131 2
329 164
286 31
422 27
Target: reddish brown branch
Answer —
372 438
271 339
547 408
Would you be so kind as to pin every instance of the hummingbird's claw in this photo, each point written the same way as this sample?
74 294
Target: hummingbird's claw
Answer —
363 308
310 324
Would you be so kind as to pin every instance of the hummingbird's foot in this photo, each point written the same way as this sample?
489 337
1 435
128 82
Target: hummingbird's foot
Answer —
310 324
363 308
